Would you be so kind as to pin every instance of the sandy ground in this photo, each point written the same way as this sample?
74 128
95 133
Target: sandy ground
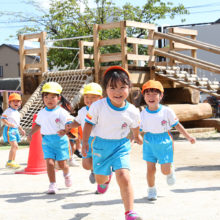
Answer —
196 195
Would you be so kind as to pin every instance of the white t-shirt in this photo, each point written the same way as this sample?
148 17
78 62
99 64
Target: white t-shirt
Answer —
111 122
80 118
159 121
53 120
12 116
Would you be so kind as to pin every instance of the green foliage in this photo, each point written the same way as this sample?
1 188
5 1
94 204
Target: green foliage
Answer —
72 18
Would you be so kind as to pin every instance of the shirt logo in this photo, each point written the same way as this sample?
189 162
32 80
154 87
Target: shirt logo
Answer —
164 123
124 125
89 116
57 120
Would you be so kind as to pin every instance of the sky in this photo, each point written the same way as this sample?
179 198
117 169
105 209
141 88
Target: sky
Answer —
200 12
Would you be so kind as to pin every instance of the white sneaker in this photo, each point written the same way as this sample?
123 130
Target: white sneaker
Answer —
171 178
52 188
152 194
73 163
68 180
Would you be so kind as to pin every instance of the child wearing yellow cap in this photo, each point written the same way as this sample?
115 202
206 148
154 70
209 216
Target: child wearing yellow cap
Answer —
11 118
92 92
156 122
51 120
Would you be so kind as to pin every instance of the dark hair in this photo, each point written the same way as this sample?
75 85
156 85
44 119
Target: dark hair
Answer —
115 75
152 90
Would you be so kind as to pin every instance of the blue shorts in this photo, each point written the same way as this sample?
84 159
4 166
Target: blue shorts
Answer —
110 155
11 134
89 153
55 147
158 148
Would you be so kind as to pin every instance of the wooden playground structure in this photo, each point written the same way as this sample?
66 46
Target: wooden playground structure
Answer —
182 86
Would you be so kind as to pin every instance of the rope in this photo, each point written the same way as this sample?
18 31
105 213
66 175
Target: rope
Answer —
71 38
68 48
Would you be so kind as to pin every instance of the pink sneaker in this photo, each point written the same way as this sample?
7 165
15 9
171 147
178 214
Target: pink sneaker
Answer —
68 180
102 188
131 215
52 188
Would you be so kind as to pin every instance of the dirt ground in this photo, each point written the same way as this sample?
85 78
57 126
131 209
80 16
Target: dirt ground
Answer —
195 196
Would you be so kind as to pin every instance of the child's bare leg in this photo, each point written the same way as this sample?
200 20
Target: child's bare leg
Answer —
87 163
64 166
51 170
166 168
124 182
151 171
101 179
13 150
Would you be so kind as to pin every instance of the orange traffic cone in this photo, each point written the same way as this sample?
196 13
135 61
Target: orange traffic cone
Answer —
36 163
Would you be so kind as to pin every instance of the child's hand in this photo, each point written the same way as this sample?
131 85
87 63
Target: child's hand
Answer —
138 139
68 127
85 148
23 133
192 140
61 132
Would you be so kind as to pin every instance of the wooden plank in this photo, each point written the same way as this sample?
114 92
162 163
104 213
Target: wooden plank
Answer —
140 25
183 31
34 37
124 49
110 57
33 74
33 66
180 46
81 55
88 44
96 51
133 40
109 26
43 53
33 52
140 57
22 60
109 42
5 100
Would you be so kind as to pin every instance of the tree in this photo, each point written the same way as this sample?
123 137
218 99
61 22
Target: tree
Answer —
66 19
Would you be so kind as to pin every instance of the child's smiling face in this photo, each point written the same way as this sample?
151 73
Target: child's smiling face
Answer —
15 104
152 98
51 100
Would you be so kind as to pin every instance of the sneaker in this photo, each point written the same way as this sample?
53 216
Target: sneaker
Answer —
102 188
131 215
78 153
52 188
12 164
171 178
68 180
92 178
152 194
73 163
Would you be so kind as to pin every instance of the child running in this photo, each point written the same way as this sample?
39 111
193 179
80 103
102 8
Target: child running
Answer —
50 120
110 119
91 93
156 121
11 118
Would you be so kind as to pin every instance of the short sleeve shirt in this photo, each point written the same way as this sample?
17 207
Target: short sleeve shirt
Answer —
111 122
12 116
53 120
159 121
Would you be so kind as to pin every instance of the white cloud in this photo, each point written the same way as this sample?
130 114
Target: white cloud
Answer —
45 4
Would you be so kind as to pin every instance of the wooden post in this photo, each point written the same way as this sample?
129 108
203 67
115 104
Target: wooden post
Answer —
124 51
5 100
81 55
96 51
43 58
135 51
22 61
194 55
151 61
172 61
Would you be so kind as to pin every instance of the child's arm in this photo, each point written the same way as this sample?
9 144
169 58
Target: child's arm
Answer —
86 134
22 131
137 138
183 131
7 123
34 129
69 126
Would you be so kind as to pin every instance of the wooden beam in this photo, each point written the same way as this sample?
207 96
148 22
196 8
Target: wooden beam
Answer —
88 44
110 57
109 42
88 56
124 50
109 26
33 66
22 61
140 57
140 25
35 37
96 51
183 31
179 46
133 40
33 52
5 100
81 55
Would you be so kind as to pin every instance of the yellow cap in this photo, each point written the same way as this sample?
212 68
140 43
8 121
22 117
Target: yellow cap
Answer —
52 87
92 88
14 96
152 84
